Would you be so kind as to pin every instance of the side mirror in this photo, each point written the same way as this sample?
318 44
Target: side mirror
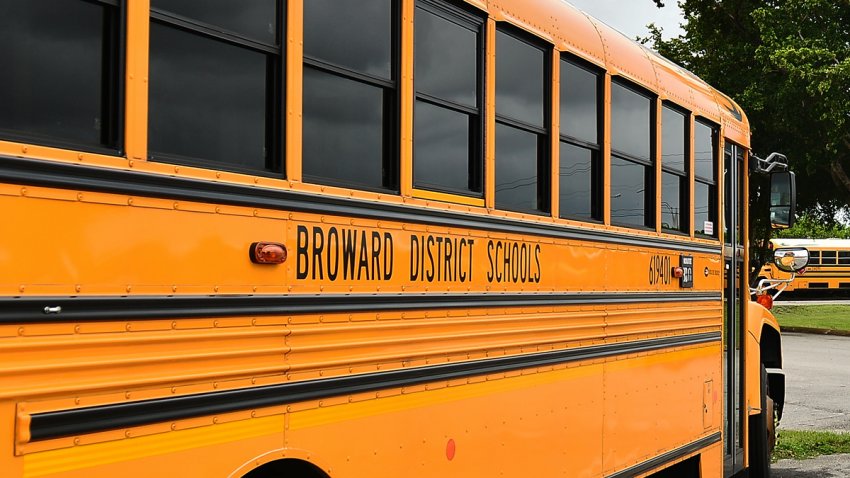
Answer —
791 259
783 199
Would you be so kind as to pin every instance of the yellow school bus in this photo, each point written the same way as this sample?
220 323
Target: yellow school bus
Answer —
361 238
828 269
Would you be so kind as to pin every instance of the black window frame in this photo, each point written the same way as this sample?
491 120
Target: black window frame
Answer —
649 165
711 183
543 134
275 91
113 91
683 174
391 148
597 174
465 17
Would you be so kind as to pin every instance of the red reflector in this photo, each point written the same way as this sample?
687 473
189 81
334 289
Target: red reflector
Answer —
451 449
765 300
801 271
267 253
678 272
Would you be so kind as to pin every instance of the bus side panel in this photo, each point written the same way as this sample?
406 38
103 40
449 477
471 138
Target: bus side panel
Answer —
711 461
112 244
206 451
55 367
9 465
540 422
770 271
757 319
655 403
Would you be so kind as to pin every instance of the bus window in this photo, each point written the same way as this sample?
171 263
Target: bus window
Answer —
448 121
828 257
675 209
522 162
632 171
580 170
61 82
215 85
814 257
251 19
350 99
705 179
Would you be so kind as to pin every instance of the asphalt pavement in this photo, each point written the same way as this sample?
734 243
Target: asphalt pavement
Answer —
828 466
817 382
817 397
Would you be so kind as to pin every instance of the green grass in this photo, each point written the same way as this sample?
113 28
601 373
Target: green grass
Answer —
822 317
801 445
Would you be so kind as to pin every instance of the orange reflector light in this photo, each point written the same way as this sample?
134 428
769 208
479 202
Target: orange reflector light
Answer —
678 272
267 253
765 300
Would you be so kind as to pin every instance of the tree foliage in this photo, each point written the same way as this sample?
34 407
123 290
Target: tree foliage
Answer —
787 63
809 226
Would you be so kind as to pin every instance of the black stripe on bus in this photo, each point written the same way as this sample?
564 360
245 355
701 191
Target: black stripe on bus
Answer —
134 183
88 308
80 421
668 457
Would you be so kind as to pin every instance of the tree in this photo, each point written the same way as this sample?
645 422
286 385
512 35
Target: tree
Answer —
809 226
787 63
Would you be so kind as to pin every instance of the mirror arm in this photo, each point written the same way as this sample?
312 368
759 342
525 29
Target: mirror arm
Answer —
774 161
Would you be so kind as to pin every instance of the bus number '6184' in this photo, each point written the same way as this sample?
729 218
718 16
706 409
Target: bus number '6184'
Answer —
660 270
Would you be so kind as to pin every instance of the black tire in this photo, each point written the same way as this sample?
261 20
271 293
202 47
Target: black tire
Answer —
760 429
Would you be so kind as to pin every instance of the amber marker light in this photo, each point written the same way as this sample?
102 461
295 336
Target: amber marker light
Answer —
765 300
267 253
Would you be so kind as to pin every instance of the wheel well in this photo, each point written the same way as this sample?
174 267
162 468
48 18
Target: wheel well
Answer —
771 357
771 348
287 468
689 468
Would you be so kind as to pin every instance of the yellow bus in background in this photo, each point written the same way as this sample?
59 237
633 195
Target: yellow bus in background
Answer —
828 269
370 238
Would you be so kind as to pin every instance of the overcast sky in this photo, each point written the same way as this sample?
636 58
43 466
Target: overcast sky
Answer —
632 16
